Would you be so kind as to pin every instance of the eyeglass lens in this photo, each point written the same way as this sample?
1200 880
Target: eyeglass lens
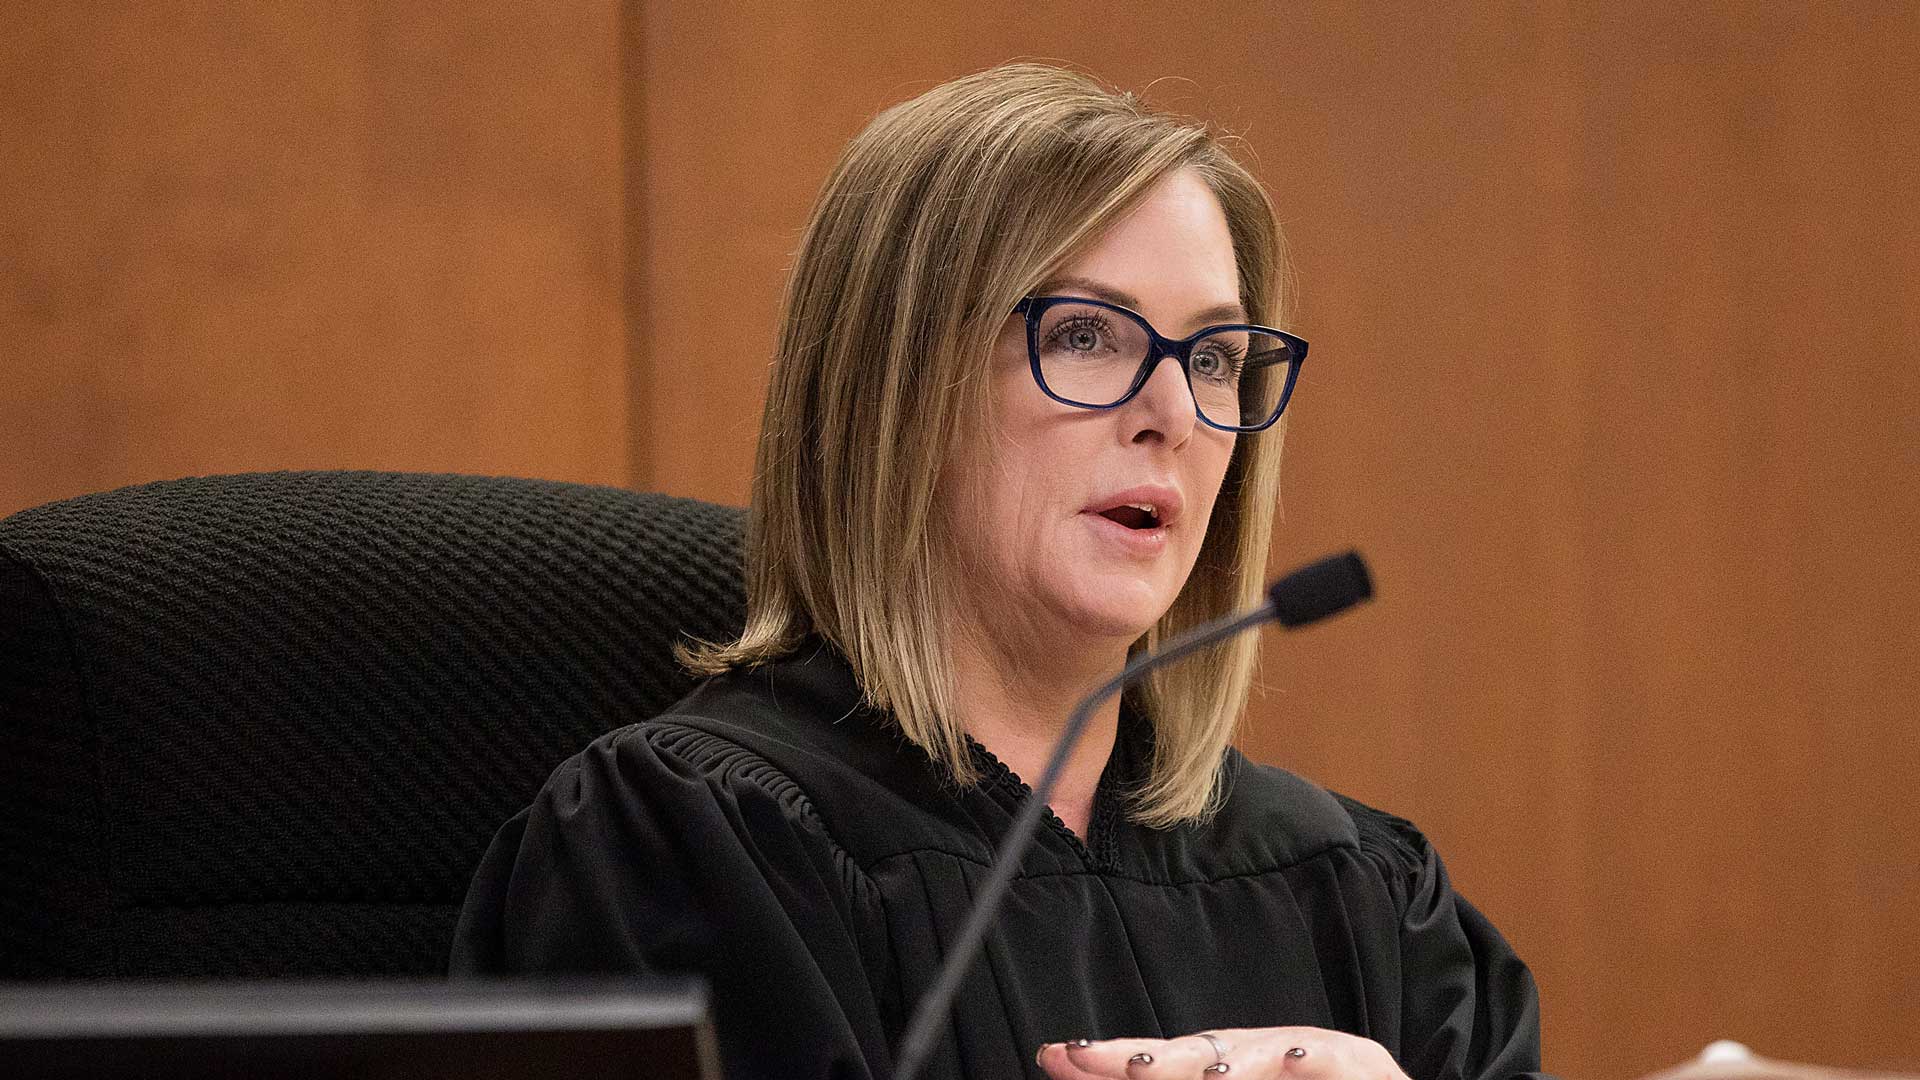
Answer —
1090 356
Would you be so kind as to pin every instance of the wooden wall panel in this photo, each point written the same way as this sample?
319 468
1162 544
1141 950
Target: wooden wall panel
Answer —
1613 380
309 235
1654 555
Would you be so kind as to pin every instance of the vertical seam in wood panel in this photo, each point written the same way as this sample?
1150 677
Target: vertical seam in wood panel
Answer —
1568 564
641 467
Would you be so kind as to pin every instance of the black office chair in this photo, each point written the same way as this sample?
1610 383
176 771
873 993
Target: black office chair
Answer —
265 724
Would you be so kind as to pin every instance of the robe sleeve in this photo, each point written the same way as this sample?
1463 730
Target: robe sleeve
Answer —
1469 1007
664 849
1467 1004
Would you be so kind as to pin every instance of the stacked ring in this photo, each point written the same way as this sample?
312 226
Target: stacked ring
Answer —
1219 1066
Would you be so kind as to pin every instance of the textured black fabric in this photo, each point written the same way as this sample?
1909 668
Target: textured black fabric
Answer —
52 888
266 724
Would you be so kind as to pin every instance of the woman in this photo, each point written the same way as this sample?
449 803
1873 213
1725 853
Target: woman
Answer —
1024 419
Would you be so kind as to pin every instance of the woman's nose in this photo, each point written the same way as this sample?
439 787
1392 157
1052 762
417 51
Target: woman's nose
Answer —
1164 406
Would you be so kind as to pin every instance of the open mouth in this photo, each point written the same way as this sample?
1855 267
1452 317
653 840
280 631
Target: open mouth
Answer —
1133 516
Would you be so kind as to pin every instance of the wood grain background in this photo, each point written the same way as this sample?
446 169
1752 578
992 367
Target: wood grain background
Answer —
1613 380
301 235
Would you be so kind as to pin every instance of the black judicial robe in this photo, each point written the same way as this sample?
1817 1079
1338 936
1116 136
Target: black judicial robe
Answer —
772 835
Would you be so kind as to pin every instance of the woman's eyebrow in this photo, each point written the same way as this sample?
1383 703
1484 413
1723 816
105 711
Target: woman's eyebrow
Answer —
1232 312
1220 313
1092 288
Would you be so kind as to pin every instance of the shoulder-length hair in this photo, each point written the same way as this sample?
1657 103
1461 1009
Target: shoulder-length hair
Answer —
937 219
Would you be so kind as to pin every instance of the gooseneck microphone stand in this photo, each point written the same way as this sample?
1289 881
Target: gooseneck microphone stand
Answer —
1307 595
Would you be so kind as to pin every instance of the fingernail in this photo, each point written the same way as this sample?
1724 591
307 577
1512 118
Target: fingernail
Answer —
1140 1059
1040 1053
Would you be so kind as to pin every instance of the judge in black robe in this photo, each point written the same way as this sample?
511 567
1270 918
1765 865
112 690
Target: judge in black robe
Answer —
987 475
772 835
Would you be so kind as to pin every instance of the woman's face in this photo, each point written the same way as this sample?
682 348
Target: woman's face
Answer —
1048 554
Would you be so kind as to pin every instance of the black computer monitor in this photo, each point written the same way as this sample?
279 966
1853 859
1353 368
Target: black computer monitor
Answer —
372 1030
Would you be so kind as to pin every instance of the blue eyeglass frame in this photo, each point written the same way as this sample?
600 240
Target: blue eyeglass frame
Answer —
1159 348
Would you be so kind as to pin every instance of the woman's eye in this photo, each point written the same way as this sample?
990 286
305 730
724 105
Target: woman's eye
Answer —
1213 364
1080 336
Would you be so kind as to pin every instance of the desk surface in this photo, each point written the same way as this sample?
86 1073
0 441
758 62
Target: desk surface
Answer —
499 1029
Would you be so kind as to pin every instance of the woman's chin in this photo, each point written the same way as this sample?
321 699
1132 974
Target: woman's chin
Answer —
1118 610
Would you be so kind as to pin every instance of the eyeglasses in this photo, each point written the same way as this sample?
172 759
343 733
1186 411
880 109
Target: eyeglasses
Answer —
1094 355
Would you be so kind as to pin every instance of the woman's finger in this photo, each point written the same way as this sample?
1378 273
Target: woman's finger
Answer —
1059 1065
1151 1059
1302 1053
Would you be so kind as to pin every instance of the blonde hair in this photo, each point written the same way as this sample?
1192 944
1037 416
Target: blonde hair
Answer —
936 221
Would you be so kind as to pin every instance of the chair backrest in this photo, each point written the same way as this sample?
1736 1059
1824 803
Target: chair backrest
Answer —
265 724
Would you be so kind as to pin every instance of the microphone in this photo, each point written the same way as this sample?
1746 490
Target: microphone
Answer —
1307 595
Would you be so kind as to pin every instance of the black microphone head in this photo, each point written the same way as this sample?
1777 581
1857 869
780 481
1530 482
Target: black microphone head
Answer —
1320 589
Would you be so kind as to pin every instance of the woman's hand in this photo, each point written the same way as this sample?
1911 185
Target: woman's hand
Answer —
1297 1053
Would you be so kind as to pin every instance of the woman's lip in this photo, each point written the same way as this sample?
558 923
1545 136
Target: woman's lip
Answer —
1164 498
1133 541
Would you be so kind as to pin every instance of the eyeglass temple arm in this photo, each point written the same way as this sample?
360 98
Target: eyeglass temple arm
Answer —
1268 358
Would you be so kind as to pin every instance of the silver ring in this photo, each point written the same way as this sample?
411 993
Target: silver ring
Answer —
1219 1066
1297 1053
